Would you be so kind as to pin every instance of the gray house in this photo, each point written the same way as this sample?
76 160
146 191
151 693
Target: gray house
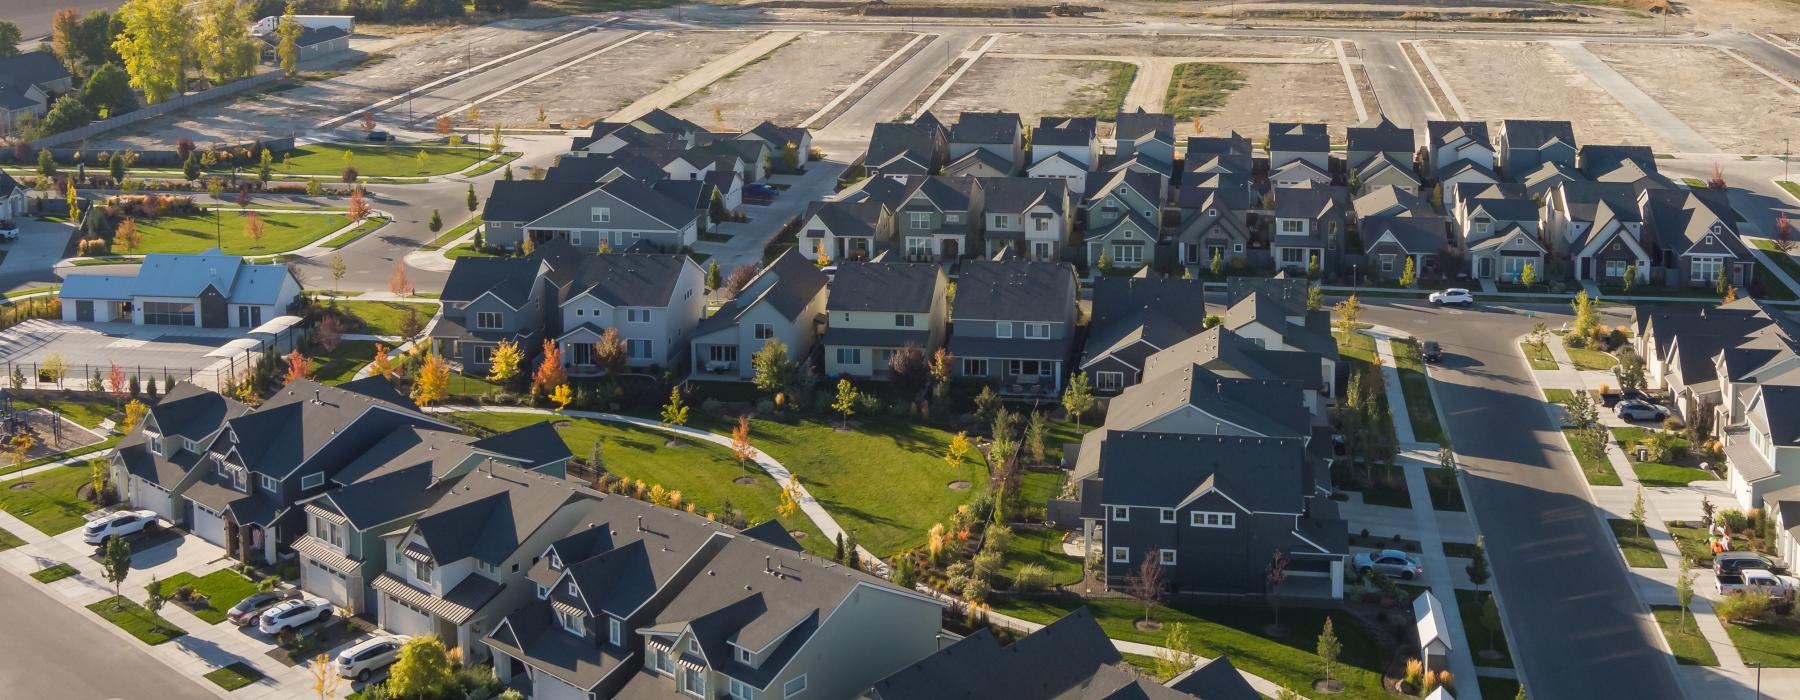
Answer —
1389 241
844 230
29 80
1031 215
1289 142
1450 142
654 302
1134 318
903 150
1000 134
876 308
1501 236
941 219
490 300
1213 224
1144 141
782 303
1525 144
1122 212
204 290
1014 324
1599 227
1309 223
513 204
1378 137
618 215
1695 238
1075 137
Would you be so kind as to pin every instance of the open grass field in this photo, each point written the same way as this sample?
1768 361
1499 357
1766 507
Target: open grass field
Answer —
47 500
375 160
195 233
1200 89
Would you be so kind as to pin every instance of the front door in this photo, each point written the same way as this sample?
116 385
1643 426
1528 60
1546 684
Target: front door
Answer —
84 310
950 251
214 312
1487 268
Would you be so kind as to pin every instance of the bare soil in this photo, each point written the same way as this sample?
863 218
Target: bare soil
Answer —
1030 87
789 84
1280 93
1188 45
1735 107
602 85
1496 80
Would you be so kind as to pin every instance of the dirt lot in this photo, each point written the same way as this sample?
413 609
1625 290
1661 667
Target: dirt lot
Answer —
789 84
1164 45
1497 80
602 85
1280 93
1032 88
1733 106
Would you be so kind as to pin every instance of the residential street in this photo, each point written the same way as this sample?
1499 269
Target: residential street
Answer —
64 657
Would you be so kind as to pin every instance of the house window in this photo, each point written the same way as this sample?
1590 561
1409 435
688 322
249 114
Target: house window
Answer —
918 248
763 331
1293 226
849 356
574 238
952 218
543 592
1002 221
1166 515
487 320
1043 223
313 480
1109 381
1482 226
722 353
156 445
1003 329
267 482
638 349
1029 368
249 316
975 367
556 565
1615 268
1168 557
794 687
920 219
615 631
694 646
739 690
662 661
637 315
743 656
1201 518
1237 247
1129 254
1707 269
573 624
1293 256
693 682
1121 555
1387 263
422 570
168 313
573 591
600 215
484 354
239 481
903 320
1037 331
1121 514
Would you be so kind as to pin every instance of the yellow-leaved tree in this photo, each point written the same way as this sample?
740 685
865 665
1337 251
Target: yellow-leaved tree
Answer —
561 396
433 380
506 361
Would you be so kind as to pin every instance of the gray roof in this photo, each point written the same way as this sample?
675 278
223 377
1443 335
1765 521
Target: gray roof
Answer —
510 279
525 201
1199 191
1504 209
1391 201
668 211
1269 407
1130 126
1055 661
778 136
490 511
1449 170
135 452
979 157
628 279
1273 307
1537 133
1417 235
1161 470
875 337
662 121
1287 290
789 284
1101 184
309 36
1596 160
1214 680
1311 202
295 425
950 193
915 141
1783 403
986 127
1064 131
1015 290
1011 195
589 170
1199 147
1221 350
27 68
1305 137
885 286
1159 310
396 476
7 184
191 412
1379 135
1439 133
1679 219
848 218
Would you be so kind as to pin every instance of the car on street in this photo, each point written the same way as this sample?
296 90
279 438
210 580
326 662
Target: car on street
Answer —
9 230
1431 351
1454 296
379 136
1392 562
364 659
1639 410
1733 562
293 613
117 524
249 609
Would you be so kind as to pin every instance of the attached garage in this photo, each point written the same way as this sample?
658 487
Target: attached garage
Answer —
148 495
327 583
206 524
400 618
547 687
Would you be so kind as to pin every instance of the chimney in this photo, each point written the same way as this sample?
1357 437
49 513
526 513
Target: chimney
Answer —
318 396
768 565
640 523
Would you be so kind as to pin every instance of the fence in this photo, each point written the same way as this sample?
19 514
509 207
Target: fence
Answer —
157 110
226 366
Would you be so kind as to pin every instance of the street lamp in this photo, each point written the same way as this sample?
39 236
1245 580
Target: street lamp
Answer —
1758 667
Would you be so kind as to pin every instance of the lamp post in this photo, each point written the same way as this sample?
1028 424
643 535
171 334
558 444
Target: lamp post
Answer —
1758 667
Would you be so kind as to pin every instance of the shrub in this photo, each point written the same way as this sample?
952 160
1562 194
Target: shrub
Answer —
183 593
91 247
1742 607
986 564
976 590
1415 671
998 538
1733 518
1032 577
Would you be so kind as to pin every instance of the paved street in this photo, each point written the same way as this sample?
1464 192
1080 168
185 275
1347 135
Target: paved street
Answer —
43 663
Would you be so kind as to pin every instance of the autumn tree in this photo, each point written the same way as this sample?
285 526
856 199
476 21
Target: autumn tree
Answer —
739 278
550 371
1348 311
330 332
1718 178
382 365
116 381
845 404
562 396
359 206
135 411
223 46
958 450
675 412
253 228
505 362
128 234
65 35
1408 274
1078 398
1784 233
610 354
287 46
907 371
154 45
422 670
296 368
442 125
399 281
433 380
740 443
1146 584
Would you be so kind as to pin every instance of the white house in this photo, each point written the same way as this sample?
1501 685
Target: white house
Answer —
653 301
207 290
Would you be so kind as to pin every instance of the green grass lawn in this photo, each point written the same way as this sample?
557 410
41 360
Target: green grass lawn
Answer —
385 317
1037 487
100 446
1065 432
134 619
1693 542
377 160
1639 551
1102 100
1475 629
87 413
1590 453
1388 487
1685 640
1773 287
1041 546
1445 493
1147 665
1591 359
497 163
1793 188
1774 642
234 676
1235 631
467 250
9 540
1659 474
223 589
1416 386
1356 346
54 572
194 233
362 229
454 233
340 365
1199 89
49 503
1538 355
1498 688
1560 397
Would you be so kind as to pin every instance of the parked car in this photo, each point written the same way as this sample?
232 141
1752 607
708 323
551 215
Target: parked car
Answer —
1759 580
117 524
379 136
1392 562
249 609
294 613
1431 351
761 191
1734 562
362 660
1454 296
1638 410
9 230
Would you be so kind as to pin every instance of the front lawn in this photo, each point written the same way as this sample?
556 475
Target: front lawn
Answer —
1593 360
46 500
1772 286
1356 347
1560 397
1774 642
1445 492
1387 485
1538 355
9 540
1640 551
1041 546
1475 629
1590 454
378 160
1782 260
54 572
1685 640
340 365
134 619
1235 631
194 233
1660 474
1693 541
234 676
385 317
223 589
1416 386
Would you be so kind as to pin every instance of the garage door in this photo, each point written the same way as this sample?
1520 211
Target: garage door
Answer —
208 525
547 687
326 583
146 495
399 618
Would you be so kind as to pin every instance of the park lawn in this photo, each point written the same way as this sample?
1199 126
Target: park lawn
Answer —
386 317
85 412
100 446
49 503
1774 642
1590 454
363 228
454 233
1199 89
135 620
378 160
1639 551
1416 386
236 675
1538 355
496 163
54 572
1660 474
1594 360
1235 631
1475 629
194 233
1685 640
340 365
1446 494
223 589
1041 546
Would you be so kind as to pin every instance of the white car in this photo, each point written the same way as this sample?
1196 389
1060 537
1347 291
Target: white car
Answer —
117 524
292 614
362 660
1456 296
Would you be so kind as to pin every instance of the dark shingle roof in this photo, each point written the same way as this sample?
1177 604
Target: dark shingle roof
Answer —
1417 235
490 511
1379 135
1064 131
510 279
848 218
591 169
1016 194
1157 309
985 127
628 279
788 284
668 211
916 142
1680 219
1442 132
191 412
1129 126
1309 137
1214 680
1164 469
1015 290
1058 658
303 417
1535 133
1270 407
28 68
526 200
885 286
1597 160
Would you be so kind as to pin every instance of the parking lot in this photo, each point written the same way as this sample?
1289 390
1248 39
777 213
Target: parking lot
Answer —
144 352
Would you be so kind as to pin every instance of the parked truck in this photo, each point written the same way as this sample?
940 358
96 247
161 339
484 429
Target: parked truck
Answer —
267 25
1780 588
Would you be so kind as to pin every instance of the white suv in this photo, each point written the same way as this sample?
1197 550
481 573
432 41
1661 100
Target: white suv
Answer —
362 660
117 524
1456 296
292 614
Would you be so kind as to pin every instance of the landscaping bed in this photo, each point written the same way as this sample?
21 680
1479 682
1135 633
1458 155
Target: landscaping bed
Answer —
134 619
1481 639
1685 641
1639 550
1446 494
222 589
1692 539
1538 355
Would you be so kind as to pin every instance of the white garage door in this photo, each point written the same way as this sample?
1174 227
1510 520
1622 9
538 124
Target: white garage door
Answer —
547 687
399 618
208 525
326 583
146 495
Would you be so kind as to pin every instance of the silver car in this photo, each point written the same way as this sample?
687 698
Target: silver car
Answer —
1392 562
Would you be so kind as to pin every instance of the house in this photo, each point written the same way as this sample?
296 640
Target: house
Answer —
1015 324
1215 226
979 162
844 230
1784 504
1144 141
1272 313
1299 172
1309 224
1076 138
1390 201
1695 238
1384 170
1000 134
201 290
514 204
1449 142
1029 214
875 309
656 128
617 215
29 82
941 218
1598 162
1061 166
1458 176
790 146
1123 213
591 170
1680 346
653 301
1289 142
1525 144
1132 319
1224 157
313 43
1068 658
1599 227
782 303
1378 137
1224 353
904 150
487 301
1500 236
1547 176
637 601
1389 241
12 201
156 463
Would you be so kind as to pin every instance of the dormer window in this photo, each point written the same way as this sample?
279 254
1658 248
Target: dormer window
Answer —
615 631
422 571
156 444
744 656
572 590
693 646
573 624
556 563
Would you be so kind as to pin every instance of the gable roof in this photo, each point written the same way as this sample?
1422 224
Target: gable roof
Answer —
1013 195
885 286
1311 202
1379 135
1272 408
779 137
791 285
1156 309
1534 134
191 412
848 218
916 141
1053 662
628 279
529 200
1214 680
1681 219
1100 184
1064 131
1165 470
1442 133
1465 166
1133 126
1306 138
1015 290
509 279
979 157
1219 349
295 423
492 510
1417 235
951 193
1389 200
1597 160
22 70
590 170
986 127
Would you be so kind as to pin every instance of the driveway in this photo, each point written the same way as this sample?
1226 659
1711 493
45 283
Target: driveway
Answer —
30 258
748 239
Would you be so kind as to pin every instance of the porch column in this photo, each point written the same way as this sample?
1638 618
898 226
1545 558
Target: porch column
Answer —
503 668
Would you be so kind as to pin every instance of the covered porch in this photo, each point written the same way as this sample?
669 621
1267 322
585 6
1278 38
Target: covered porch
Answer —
935 248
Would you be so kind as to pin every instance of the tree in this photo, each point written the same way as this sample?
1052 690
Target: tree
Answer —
958 449
399 281
338 269
349 175
1718 178
1784 233
433 380
1078 398
223 46
505 362
1315 298
115 381
287 46
46 163
1684 591
1587 316
359 206
153 595
296 368
115 166
675 412
1217 266
115 563
442 125
714 278
1730 294
1582 412
1478 564
562 396
1528 275
330 332
740 443
1637 512
97 471
436 222
845 404
1146 583
497 145
65 33
1274 575
1630 280
907 371
1329 648
94 41
1312 267
154 45
135 411
837 553
473 202
9 38
1177 652
610 353
107 92
381 366
1408 274
74 201
1630 371
190 168
474 112
422 670
325 678
1037 429
549 370
265 166
986 403
253 228
1348 312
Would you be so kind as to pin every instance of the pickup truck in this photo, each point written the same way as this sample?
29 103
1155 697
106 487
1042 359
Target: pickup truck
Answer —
1762 580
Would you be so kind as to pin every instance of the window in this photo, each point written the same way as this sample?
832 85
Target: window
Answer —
638 349
556 564
1131 254
1293 226
1168 557
1109 381
920 219
573 624
637 315
763 331
156 444
1121 514
952 218
543 592
849 356
1237 247
1615 268
662 661
267 482
573 591
487 320
1482 226
483 353
1002 221
918 248
239 480
975 367
168 313
1121 555
1043 223
693 682
1037 331
249 316
739 690
794 687
574 238
1201 518
422 570
1003 329
1707 269
600 215
1293 256
721 353
313 480
903 320
1387 263
1030 368
744 656
615 631
693 646
1166 515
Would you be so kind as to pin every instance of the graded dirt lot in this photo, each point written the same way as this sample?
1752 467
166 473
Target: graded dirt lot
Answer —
1280 93
596 88
1198 46
1039 87
1496 80
1735 107
789 84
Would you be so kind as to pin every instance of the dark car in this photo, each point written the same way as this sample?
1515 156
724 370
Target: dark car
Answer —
1431 352
1734 562
379 136
757 189
248 609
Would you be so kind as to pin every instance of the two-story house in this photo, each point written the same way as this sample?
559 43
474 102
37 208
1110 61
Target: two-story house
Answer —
940 219
1378 137
1449 142
1122 211
617 215
29 81
1695 239
903 150
653 301
1390 241
1028 214
1289 142
154 465
1067 148
1309 224
1000 134
1144 141
1525 144
1215 223
782 303
845 229
1272 313
876 308
1134 318
1599 228
487 301
1500 237
513 204
1015 324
